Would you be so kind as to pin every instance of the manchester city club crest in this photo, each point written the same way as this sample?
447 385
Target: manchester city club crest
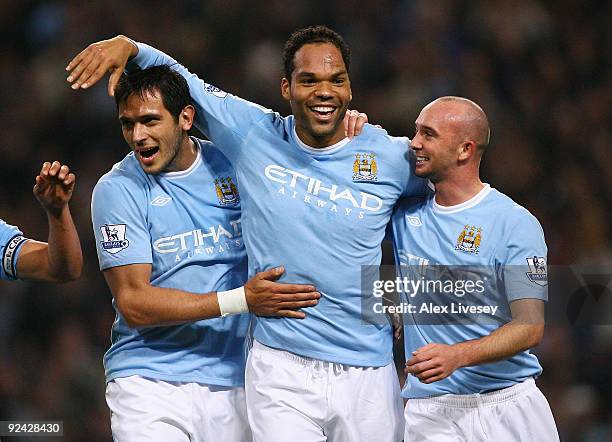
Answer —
469 239
113 238
365 167
226 191
537 270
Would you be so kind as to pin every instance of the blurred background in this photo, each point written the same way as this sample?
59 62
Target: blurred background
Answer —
541 71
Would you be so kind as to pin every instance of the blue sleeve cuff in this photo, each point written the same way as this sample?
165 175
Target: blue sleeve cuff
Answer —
10 256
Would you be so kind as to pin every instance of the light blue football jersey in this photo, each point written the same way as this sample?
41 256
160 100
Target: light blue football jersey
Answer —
319 212
187 226
495 239
11 241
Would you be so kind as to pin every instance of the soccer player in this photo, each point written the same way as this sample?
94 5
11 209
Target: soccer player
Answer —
317 202
470 376
60 258
169 241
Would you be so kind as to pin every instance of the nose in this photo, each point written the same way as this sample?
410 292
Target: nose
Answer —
415 143
324 90
139 134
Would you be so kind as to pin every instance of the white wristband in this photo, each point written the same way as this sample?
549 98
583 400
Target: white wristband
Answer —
232 302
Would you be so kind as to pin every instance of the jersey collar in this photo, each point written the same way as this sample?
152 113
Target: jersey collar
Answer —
190 169
464 205
320 151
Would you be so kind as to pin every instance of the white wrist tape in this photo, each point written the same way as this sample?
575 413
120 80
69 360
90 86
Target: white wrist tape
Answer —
232 302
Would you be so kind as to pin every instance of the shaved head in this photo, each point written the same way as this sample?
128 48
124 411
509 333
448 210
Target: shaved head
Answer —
467 118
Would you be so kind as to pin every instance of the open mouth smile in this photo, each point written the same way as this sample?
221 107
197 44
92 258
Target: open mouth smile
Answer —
147 155
323 112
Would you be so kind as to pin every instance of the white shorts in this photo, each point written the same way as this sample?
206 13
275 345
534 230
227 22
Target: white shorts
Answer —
517 413
148 410
296 399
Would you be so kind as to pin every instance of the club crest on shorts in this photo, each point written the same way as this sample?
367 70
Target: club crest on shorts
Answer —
226 191
365 167
469 239
537 270
114 239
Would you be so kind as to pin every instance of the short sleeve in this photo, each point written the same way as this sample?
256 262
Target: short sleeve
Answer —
11 242
118 210
524 258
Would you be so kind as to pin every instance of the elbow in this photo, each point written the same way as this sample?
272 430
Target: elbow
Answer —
132 317
131 313
72 274
68 274
67 269
536 335
75 273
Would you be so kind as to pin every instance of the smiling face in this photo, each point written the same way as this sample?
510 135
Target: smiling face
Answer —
159 141
319 93
437 141
451 134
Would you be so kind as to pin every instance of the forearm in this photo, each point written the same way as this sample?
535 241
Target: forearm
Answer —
149 306
64 256
502 343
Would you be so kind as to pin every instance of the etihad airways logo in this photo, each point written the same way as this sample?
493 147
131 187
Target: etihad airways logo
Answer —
212 240
313 191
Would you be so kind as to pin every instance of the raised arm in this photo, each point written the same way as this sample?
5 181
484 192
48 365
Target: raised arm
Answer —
97 59
144 305
60 258
112 56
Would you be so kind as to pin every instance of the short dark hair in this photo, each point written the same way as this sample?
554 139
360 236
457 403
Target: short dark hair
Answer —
171 86
313 34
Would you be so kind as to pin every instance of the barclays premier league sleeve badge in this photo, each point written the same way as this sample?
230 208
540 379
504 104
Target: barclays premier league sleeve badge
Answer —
537 270
114 238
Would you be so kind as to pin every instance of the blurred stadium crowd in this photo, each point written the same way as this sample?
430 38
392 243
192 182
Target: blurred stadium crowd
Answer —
541 71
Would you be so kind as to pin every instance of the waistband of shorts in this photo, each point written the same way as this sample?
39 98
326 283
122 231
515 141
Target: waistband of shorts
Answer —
482 399
284 354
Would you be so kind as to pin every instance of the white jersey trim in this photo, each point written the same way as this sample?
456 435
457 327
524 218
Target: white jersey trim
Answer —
190 169
464 205
323 150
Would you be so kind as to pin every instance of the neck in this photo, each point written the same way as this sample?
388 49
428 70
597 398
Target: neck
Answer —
187 154
319 142
450 192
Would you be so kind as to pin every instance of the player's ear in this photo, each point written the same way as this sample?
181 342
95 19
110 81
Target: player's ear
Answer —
467 150
186 117
285 86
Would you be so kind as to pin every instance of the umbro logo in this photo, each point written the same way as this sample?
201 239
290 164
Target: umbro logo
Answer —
414 221
161 201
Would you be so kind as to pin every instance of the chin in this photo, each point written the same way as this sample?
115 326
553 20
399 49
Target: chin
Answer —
325 130
422 173
151 170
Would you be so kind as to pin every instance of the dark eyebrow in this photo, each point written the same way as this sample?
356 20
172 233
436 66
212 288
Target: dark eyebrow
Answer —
145 117
306 74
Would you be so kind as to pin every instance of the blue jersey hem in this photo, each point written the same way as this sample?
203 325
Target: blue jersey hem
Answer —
175 378
326 356
500 386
